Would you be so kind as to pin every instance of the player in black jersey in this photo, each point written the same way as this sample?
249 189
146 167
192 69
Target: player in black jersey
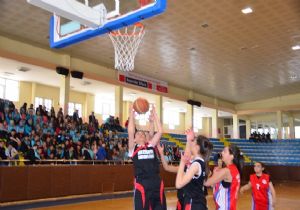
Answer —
191 180
149 190
172 169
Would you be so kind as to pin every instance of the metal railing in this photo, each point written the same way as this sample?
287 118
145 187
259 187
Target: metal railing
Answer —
24 162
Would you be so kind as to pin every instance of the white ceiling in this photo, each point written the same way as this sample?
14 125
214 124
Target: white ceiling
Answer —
238 57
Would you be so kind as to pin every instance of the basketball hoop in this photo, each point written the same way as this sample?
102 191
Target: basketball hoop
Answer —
126 43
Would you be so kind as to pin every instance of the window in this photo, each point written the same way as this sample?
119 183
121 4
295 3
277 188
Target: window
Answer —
197 122
105 105
74 106
9 89
44 102
297 132
171 118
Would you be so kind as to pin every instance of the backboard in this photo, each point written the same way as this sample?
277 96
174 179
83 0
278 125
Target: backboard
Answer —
74 21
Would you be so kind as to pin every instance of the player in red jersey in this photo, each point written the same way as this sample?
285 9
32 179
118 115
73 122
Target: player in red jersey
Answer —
227 180
263 192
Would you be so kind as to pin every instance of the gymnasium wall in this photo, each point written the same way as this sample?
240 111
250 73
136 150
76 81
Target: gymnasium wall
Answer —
29 90
284 103
36 182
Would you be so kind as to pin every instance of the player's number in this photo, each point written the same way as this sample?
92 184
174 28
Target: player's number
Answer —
257 186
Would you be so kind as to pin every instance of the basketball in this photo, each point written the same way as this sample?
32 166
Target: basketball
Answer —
141 105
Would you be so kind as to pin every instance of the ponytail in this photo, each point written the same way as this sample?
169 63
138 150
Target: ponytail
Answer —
238 158
206 148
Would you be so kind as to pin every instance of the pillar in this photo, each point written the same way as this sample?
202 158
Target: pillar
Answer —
235 127
292 126
214 124
189 117
248 128
159 107
33 93
119 104
64 91
279 124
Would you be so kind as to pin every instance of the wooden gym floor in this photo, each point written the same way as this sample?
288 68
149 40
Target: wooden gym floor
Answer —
287 199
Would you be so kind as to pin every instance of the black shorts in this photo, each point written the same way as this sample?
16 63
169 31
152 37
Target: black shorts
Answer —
190 204
149 194
180 200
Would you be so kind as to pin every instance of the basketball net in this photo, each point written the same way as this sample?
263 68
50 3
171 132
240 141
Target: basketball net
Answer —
126 42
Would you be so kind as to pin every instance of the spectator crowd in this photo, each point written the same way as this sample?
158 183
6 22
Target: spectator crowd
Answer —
257 137
38 134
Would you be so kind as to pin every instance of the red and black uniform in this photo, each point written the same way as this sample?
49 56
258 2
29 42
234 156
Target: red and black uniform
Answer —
194 197
261 194
149 189
180 199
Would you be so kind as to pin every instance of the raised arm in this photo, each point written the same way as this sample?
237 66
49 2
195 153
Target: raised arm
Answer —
131 129
184 178
156 138
166 166
222 174
151 125
190 136
245 187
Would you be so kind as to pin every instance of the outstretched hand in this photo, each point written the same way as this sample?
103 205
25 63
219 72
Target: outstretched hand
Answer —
160 148
185 158
151 116
190 135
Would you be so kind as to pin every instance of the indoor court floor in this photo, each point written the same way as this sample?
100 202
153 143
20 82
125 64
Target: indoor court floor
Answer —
288 195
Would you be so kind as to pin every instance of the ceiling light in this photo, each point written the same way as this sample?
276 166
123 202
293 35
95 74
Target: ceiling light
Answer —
247 10
296 47
8 73
132 94
23 69
167 102
293 76
204 25
84 83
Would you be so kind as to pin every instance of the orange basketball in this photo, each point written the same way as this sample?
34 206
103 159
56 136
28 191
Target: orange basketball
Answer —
141 105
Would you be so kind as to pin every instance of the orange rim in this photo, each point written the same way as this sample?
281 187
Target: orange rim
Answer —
134 33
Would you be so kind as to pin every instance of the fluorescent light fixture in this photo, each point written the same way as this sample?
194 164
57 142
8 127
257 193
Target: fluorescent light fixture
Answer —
247 10
296 47
132 94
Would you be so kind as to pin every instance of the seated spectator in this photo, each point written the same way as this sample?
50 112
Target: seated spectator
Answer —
11 153
86 155
101 153
70 154
2 152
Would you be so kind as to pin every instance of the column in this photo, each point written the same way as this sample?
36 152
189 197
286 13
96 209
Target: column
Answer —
64 91
214 124
119 104
159 107
235 127
292 126
248 128
33 91
279 124
208 124
189 116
